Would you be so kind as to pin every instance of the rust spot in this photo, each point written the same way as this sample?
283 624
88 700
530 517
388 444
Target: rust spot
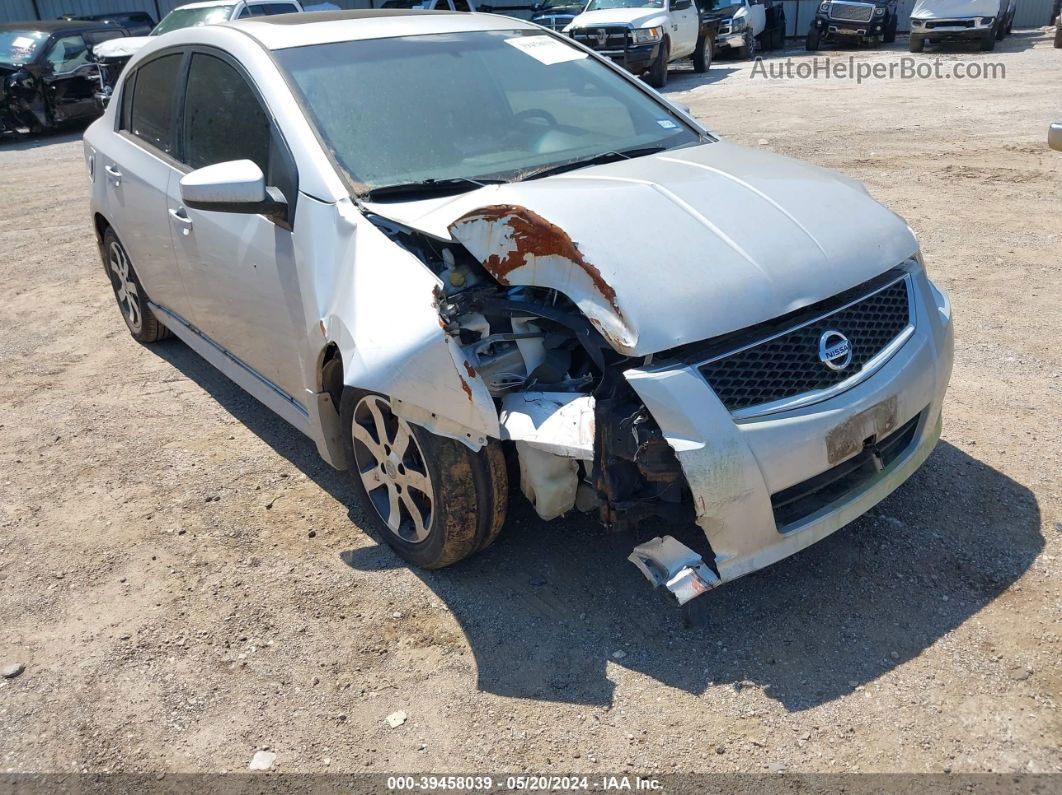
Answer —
847 439
466 387
531 236
470 369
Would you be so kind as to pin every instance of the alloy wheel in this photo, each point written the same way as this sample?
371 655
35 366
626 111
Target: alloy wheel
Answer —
125 288
392 469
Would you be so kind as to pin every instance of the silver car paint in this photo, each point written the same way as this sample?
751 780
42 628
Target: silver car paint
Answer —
700 265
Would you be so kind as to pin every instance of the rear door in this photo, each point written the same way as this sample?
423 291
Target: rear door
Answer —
137 166
240 268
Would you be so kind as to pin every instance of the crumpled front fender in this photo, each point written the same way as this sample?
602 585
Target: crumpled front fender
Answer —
376 302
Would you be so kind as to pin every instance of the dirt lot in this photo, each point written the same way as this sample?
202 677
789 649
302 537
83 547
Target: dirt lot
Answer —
182 581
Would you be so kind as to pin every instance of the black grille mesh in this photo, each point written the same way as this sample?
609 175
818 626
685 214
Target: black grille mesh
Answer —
615 38
789 364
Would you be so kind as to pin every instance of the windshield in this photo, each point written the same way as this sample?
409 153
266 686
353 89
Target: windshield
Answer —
551 4
458 106
18 47
192 17
716 5
599 5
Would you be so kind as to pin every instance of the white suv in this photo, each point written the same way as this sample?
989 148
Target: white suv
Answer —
429 240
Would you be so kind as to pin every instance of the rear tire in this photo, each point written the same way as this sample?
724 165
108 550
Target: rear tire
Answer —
433 500
129 292
702 57
916 43
657 76
813 40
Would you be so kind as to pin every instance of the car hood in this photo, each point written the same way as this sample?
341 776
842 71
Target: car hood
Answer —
955 9
120 48
631 17
678 247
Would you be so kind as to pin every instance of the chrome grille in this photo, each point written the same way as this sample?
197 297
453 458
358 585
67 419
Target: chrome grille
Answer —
601 38
851 12
554 21
787 364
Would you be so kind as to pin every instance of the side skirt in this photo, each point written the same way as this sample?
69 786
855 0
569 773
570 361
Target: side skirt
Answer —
259 387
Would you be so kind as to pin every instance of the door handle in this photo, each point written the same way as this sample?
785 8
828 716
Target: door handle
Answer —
181 217
114 174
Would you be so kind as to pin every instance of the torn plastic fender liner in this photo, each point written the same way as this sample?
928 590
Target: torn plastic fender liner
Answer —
561 423
383 297
517 246
551 430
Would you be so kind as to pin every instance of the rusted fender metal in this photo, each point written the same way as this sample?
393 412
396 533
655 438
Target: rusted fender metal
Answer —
517 246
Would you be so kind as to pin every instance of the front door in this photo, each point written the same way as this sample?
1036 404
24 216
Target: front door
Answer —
685 26
71 79
240 268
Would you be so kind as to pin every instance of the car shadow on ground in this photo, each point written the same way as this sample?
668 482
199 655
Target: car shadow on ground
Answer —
21 143
548 606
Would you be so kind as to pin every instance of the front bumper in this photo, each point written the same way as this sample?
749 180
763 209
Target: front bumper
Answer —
837 27
733 467
730 41
951 29
636 58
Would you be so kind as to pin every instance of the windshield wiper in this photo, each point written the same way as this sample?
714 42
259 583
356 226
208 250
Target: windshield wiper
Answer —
430 187
595 160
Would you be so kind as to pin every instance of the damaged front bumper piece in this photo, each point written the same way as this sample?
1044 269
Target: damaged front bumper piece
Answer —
669 563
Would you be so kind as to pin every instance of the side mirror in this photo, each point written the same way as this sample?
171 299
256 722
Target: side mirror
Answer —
1054 136
237 186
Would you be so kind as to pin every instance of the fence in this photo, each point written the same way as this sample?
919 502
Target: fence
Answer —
798 13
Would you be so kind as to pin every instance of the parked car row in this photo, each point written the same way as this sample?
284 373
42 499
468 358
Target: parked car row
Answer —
52 73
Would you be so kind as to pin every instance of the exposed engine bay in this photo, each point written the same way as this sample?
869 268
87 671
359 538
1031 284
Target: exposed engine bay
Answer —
582 437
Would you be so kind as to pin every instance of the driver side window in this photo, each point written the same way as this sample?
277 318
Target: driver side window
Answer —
67 54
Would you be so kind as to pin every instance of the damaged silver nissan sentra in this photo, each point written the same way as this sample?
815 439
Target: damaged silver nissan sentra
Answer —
427 239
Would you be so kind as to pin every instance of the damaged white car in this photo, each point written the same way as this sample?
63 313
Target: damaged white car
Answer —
428 239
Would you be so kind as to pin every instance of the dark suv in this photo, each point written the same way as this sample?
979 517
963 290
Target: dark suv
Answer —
48 75
845 20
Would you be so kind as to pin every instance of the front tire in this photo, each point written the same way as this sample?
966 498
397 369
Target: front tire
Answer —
702 58
433 500
916 43
1058 38
890 30
988 41
747 50
129 292
657 76
813 40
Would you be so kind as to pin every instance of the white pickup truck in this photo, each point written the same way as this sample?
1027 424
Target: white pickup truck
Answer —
644 36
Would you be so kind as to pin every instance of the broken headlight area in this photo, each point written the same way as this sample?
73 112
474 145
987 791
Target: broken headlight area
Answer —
582 437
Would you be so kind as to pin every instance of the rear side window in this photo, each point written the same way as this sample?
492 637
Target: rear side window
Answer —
223 118
150 116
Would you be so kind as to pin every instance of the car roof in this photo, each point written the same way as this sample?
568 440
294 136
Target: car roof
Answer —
325 27
54 25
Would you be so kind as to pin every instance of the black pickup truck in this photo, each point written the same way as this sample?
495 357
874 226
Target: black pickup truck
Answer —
841 20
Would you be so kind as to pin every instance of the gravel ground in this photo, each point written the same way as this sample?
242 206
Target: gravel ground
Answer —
183 584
